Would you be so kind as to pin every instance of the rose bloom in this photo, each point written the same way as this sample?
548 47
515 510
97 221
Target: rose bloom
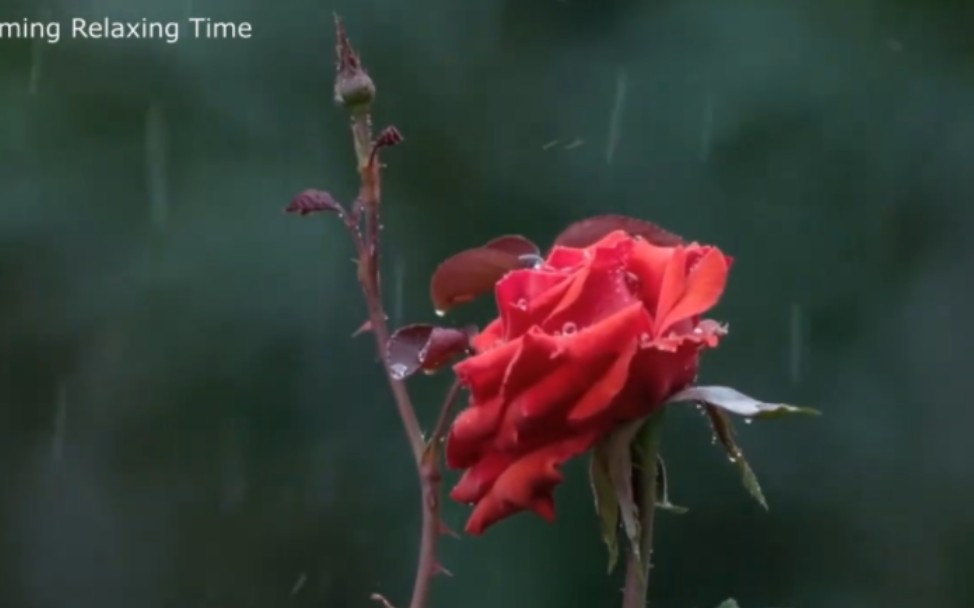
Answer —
589 339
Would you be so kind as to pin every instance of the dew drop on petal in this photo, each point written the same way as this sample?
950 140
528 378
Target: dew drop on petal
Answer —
569 328
632 282
521 304
697 331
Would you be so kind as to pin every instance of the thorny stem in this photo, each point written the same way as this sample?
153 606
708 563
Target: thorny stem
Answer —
638 564
367 247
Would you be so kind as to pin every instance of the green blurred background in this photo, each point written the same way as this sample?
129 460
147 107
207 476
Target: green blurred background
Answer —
186 422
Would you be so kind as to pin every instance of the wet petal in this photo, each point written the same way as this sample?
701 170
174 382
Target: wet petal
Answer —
484 372
473 428
703 288
648 262
671 287
480 478
601 393
524 297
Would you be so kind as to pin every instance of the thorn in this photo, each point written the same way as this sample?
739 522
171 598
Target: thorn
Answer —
378 597
448 531
364 328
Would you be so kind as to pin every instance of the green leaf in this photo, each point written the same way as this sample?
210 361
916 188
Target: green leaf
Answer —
618 448
662 490
735 402
612 473
729 603
724 431
606 504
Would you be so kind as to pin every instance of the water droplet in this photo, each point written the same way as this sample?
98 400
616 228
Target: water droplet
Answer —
632 281
440 313
569 328
697 330
521 304
733 458
645 340
748 420
398 370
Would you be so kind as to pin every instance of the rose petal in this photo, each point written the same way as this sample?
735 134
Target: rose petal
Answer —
524 297
472 430
489 337
480 478
671 287
601 393
702 290
648 263
528 483
566 258
595 294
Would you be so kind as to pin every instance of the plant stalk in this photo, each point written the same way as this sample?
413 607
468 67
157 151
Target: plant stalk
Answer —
638 563
427 464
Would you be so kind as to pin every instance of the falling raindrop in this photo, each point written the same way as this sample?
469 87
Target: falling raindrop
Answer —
399 274
748 420
36 61
706 131
439 313
795 343
302 579
155 165
60 423
615 118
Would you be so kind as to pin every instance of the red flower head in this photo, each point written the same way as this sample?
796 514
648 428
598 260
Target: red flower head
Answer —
588 339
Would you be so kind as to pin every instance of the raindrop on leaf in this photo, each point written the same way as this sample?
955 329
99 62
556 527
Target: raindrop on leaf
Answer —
398 370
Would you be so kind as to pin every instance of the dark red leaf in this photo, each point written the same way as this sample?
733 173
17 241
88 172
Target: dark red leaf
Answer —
514 244
423 347
586 232
390 136
314 201
468 274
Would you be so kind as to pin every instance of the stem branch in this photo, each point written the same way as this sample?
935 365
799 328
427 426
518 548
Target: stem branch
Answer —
644 485
424 455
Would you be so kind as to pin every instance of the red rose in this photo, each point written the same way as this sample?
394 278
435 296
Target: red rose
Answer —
589 339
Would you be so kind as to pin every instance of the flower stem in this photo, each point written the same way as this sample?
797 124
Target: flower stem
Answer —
427 464
646 448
